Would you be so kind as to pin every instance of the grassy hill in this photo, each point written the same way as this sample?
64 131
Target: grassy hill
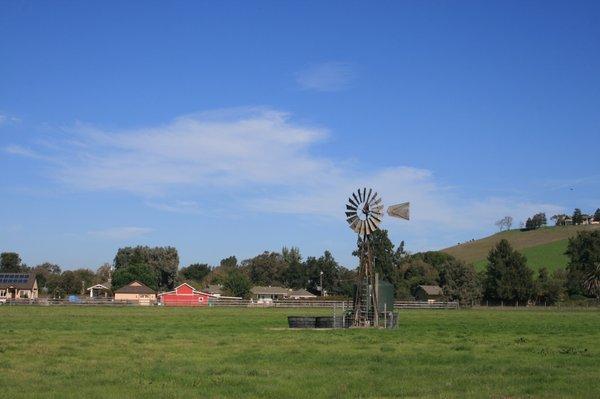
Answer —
542 247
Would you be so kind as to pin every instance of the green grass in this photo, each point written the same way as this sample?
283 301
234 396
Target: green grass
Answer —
103 352
543 247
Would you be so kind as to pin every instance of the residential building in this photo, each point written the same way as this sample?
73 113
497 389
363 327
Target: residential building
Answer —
18 286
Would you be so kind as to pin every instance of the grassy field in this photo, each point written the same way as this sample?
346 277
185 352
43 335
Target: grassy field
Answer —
543 247
63 352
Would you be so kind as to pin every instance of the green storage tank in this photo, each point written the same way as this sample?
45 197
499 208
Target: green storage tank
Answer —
386 296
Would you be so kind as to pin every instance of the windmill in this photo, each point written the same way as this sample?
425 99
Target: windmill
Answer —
364 212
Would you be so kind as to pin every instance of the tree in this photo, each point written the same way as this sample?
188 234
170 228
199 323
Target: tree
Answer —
10 262
508 278
163 261
104 274
584 254
413 272
237 284
577 217
267 268
460 282
43 271
195 272
591 283
597 215
134 271
504 223
384 257
295 273
327 265
229 263
550 289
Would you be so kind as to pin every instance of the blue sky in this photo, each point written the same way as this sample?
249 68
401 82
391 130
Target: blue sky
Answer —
230 128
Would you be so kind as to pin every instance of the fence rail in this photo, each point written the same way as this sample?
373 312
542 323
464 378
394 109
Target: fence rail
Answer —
229 303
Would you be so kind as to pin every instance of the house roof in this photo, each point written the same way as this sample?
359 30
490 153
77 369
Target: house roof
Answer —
105 286
21 281
302 292
135 287
214 289
259 290
432 289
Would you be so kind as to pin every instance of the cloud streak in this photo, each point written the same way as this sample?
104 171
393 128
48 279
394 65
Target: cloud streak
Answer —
121 233
326 77
265 161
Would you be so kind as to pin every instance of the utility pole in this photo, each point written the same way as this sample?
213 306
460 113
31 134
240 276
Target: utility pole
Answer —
321 281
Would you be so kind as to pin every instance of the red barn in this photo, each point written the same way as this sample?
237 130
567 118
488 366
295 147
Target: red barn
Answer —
184 295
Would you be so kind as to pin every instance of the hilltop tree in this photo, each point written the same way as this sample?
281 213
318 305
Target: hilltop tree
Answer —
163 261
10 262
508 278
504 223
584 253
577 216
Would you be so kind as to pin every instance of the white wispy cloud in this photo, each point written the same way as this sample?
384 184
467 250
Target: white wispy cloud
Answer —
327 76
121 233
8 119
20 150
190 207
264 158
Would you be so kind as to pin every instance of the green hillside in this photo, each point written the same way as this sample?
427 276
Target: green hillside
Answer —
543 247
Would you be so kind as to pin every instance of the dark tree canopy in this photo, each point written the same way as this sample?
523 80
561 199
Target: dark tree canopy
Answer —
134 271
577 216
331 273
10 262
584 255
508 278
163 261
237 284
597 215
267 268
195 272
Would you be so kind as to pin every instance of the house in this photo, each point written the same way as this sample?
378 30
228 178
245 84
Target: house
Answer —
269 293
429 293
215 290
184 295
18 286
136 292
100 290
301 294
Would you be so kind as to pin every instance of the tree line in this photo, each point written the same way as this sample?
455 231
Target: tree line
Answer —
506 277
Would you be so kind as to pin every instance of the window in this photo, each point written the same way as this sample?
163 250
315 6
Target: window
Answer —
2 292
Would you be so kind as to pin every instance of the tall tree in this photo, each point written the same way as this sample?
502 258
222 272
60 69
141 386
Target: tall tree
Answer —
163 261
195 272
584 254
43 271
267 268
508 278
459 281
384 257
10 262
597 215
295 273
577 216
327 265
104 274
134 271
237 284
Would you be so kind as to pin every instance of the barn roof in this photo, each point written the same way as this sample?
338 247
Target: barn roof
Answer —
432 289
135 287
20 281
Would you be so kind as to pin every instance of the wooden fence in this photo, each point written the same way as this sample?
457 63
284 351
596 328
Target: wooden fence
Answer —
231 303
